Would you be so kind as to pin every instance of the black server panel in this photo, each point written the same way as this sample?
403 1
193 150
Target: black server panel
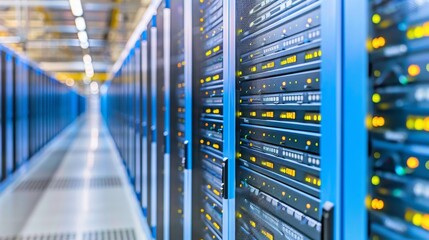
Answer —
177 127
399 120
150 136
279 96
137 120
208 114
160 111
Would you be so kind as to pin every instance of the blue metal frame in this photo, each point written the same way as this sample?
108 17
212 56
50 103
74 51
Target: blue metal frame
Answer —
145 157
167 112
187 225
355 101
331 109
229 109
154 144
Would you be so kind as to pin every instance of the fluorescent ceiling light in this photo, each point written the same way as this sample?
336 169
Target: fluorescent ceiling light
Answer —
76 7
89 73
87 59
84 45
83 37
80 23
94 86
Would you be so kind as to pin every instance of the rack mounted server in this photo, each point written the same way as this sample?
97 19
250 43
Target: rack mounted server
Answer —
229 139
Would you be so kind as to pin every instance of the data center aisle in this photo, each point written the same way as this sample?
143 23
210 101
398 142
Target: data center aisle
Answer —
77 189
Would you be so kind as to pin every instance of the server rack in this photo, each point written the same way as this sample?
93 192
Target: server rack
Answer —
177 124
399 123
164 68
294 109
145 125
31 111
8 113
278 167
137 120
208 119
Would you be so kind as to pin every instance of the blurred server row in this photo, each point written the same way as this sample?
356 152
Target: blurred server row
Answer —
216 107
34 108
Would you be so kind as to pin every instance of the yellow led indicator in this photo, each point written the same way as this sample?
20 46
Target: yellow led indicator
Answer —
377 204
289 60
417 219
376 18
378 121
412 162
268 65
253 159
376 98
268 235
252 223
418 124
288 115
216 225
427 165
377 73
268 114
216 49
216 77
288 171
375 180
378 42
268 164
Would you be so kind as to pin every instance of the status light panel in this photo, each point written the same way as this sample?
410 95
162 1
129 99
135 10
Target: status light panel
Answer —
208 78
399 120
278 82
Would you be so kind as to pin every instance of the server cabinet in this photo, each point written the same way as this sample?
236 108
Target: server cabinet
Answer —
177 124
138 119
208 119
151 149
278 82
145 125
8 113
161 139
131 115
2 77
399 124
21 93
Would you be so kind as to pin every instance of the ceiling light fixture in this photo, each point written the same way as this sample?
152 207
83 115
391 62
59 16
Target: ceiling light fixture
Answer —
84 45
89 73
76 7
83 36
80 23
87 59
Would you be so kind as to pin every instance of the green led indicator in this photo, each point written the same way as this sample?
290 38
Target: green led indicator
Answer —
403 80
400 170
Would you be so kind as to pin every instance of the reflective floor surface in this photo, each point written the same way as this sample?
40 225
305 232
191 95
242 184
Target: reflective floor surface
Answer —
76 188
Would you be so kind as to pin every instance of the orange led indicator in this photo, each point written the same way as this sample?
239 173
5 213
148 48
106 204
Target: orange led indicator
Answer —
412 162
413 70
